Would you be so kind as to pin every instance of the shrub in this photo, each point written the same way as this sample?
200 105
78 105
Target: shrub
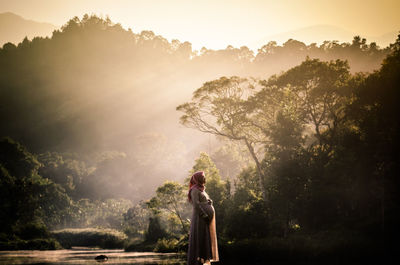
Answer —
33 244
143 246
90 237
166 245
32 230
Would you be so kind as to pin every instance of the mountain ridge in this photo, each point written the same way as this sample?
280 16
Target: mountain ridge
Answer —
324 32
14 28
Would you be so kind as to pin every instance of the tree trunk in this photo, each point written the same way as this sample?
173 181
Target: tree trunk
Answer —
258 169
180 219
287 220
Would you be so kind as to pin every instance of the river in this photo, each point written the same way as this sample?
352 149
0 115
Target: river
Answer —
86 256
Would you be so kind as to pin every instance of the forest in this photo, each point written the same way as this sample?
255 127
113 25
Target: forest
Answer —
302 163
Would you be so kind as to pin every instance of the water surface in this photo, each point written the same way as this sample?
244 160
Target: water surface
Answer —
86 256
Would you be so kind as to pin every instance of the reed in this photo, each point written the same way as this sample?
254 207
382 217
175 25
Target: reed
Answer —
90 237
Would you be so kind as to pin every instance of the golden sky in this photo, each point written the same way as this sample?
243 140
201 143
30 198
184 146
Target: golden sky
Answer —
217 23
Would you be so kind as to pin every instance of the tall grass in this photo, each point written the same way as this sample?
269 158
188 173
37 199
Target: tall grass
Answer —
90 237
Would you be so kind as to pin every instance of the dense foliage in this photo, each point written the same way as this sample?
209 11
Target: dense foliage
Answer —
95 87
330 160
38 195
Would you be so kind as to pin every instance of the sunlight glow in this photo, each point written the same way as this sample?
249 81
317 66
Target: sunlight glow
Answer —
217 24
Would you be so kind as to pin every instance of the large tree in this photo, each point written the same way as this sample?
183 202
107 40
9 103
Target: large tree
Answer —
220 108
314 94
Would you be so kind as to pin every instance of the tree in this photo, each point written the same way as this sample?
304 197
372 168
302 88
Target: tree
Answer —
64 171
215 186
315 93
171 197
219 108
374 114
218 189
136 220
230 159
246 208
25 195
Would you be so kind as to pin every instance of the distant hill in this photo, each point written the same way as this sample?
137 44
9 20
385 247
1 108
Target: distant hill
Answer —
14 28
320 33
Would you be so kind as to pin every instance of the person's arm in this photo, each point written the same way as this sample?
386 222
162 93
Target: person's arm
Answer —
197 204
194 194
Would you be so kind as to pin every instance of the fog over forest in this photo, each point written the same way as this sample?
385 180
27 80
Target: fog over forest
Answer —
99 93
101 128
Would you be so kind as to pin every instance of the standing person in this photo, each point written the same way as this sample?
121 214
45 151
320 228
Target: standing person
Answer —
203 246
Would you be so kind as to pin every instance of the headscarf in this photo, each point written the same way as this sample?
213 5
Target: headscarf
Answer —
196 182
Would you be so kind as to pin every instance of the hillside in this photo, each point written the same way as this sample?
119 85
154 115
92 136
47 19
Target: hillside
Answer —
14 28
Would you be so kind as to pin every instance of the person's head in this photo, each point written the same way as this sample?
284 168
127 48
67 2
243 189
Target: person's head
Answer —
198 178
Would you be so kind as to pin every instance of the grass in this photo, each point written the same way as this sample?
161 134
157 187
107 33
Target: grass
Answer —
90 237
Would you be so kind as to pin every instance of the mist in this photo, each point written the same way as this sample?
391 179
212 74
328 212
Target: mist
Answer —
95 87
102 129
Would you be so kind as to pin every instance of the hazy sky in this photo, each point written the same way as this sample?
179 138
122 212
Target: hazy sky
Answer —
217 23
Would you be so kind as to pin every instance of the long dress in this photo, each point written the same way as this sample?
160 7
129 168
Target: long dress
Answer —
202 237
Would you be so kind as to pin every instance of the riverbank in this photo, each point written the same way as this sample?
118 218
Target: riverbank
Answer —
162 245
28 236
31 244
38 238
320 247
327 247
86 256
